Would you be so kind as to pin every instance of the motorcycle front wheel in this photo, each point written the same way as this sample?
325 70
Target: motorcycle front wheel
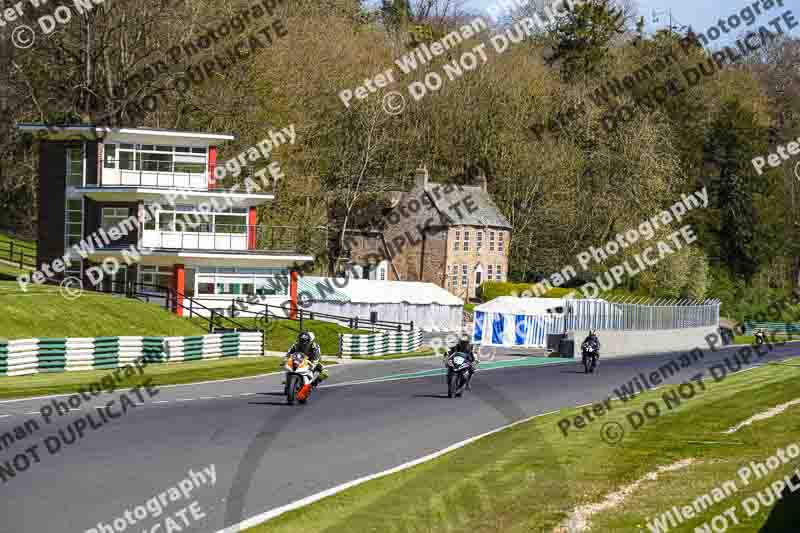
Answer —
452 384
586 364
291 388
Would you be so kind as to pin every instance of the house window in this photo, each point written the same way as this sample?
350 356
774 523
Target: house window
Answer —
489 272
466 241
491 241
464 274
499 276
453 276
111 217
500 242
479 240
456 244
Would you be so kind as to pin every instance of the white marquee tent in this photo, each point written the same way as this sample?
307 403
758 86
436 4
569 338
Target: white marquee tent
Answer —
429 306
526 322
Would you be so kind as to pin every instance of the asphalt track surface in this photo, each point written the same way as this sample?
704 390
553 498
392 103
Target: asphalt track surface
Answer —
267 454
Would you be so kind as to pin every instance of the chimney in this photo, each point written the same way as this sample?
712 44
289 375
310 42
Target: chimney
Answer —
421 177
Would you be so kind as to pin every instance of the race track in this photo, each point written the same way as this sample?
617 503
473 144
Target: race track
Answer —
267 454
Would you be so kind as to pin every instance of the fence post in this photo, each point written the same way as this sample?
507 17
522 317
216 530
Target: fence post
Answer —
211 322
300 314
412 325
356 319
340 345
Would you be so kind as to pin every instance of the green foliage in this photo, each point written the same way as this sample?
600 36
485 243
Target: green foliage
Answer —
733 139
581 38
489 290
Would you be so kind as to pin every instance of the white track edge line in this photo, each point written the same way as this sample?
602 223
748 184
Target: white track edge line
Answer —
268 515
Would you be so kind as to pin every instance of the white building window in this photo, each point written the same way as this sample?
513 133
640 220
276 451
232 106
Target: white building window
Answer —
156 158
499 276
111 217
500 242
466 241
478 240
489 272
464 275
158 276
453 270
456 242
224 281
491 241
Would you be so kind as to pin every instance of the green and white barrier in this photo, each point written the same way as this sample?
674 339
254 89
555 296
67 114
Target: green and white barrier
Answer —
37 356
231 344
380 343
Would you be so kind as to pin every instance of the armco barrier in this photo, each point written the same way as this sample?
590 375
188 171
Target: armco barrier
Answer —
35 356
231 344
380 343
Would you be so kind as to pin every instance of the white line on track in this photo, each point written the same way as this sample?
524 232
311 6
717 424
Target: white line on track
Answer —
160 387
186 399
208 397
268 515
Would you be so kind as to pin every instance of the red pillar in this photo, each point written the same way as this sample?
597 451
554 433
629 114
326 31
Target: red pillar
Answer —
212 164
251 229
293 295
180 280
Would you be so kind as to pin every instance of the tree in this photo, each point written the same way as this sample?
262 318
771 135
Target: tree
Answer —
733 139
581 39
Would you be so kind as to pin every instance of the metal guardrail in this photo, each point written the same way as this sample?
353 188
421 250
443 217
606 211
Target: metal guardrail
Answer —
17 252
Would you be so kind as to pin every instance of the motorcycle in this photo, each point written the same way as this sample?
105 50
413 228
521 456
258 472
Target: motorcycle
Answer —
590 356
761 337
301 378
458 366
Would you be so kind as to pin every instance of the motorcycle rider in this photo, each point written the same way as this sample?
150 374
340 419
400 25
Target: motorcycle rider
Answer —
307 345
465 347
592 338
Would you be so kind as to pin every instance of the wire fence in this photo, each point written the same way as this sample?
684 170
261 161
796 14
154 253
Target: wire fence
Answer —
633 314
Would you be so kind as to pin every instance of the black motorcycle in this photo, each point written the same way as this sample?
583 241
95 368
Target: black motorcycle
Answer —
761 337
458 367
591 353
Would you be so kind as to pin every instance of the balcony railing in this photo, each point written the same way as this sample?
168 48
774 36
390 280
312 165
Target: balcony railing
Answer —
171 175
221 237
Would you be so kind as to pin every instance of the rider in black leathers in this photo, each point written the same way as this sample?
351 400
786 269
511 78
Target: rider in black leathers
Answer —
465 347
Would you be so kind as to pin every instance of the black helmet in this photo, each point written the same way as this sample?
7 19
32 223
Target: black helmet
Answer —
304 339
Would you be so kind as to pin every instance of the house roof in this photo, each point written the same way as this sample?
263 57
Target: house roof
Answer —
452 205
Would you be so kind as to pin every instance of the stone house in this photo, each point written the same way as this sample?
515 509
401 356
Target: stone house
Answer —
453 236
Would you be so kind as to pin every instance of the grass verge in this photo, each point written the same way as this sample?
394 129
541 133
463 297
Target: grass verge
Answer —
162 374
42 311
422 353
530 477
